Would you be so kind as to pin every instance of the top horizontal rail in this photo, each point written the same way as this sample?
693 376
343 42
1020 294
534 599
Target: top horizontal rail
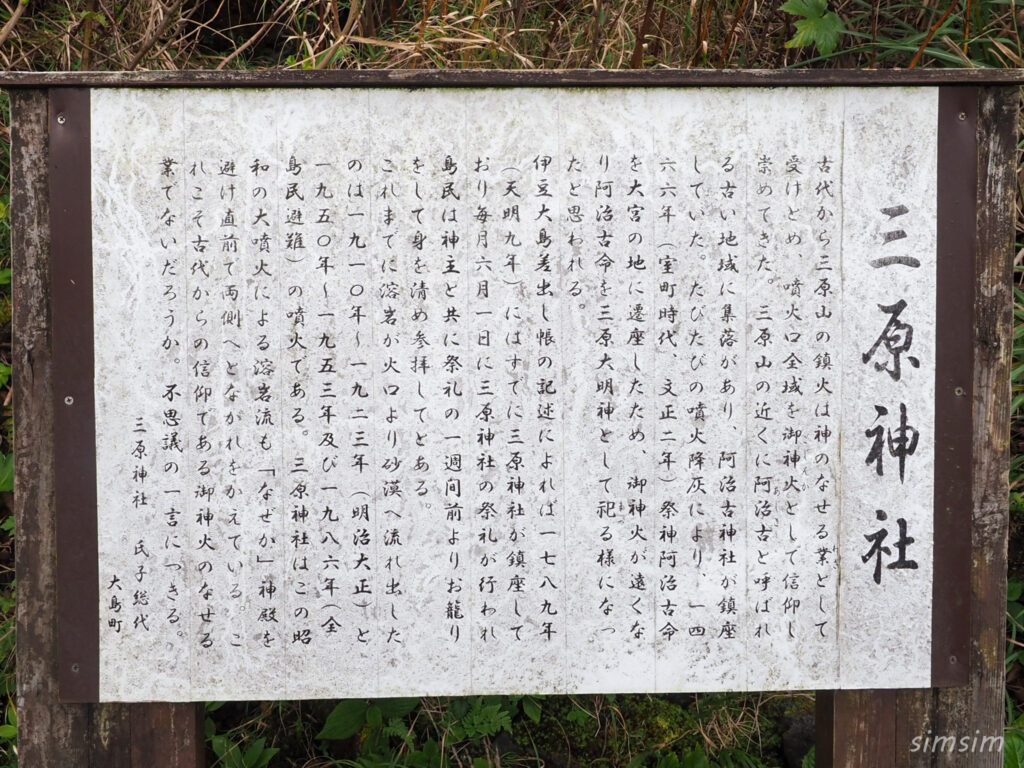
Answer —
473 78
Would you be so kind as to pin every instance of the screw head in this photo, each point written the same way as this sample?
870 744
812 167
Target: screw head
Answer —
69 400
962 116
61 119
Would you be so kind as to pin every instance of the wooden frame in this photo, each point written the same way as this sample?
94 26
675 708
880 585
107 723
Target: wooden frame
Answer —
873 728
421 78
855 728
52 733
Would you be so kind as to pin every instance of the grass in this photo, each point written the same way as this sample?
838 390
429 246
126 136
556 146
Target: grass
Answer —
739 730
517 34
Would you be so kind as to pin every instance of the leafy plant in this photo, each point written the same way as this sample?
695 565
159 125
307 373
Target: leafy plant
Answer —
7 477
231 755
1015 626
698 758
9 734
1013 744
478 717
531 707
1017 371
351 716
817 26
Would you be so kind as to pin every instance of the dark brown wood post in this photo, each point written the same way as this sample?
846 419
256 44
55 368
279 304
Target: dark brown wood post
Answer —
51 733
874 729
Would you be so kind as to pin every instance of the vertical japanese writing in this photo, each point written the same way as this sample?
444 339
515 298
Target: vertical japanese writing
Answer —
436 409
888 359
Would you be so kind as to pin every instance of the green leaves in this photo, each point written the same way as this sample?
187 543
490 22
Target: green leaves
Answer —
1013 745
1014 590
484 716
9 730
391 708
230 754
345 720
7 473
819 26
531 708
350 716
696 759
579 716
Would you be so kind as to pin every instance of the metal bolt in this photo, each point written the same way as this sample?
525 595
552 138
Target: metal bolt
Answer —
61 119
75 668
69 400
959 392
952 659
962 116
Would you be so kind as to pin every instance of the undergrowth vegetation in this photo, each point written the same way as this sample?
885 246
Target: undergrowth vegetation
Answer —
519 34
732 731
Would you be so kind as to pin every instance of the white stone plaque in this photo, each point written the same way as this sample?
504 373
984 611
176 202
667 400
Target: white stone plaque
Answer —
465 391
